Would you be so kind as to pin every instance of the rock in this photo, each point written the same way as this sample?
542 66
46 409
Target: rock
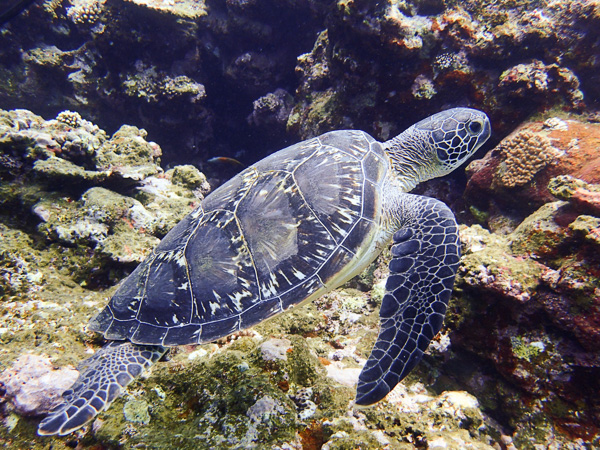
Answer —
33 386
129 155
189 177
348 376
136 411
187 10
541 80
61 169
583 196
515 176
272 110
114 225
541 233
263 409
275 349
532 318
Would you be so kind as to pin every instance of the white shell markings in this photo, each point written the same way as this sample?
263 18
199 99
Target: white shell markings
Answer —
272 235
299 274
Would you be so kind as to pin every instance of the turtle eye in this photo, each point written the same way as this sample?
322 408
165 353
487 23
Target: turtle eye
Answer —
475 126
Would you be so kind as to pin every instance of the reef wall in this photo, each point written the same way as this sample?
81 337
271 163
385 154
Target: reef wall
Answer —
243 78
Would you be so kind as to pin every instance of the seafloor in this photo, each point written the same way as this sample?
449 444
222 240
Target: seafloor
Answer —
109 113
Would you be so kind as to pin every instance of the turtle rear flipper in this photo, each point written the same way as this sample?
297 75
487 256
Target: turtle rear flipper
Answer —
426 254
102 379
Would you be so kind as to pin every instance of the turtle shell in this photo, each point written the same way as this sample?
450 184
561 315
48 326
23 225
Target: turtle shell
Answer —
291 227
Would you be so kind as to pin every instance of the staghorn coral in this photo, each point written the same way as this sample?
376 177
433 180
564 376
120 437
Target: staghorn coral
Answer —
526 153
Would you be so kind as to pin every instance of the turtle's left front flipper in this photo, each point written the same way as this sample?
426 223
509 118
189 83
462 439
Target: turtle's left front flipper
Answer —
101 380
425 258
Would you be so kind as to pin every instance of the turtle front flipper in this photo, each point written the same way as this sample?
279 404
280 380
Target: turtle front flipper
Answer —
101 380
425 258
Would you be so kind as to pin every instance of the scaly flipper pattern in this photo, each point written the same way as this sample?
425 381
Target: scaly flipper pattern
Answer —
101 380
425 258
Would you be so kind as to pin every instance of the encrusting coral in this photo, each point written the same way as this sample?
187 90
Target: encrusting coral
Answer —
526 153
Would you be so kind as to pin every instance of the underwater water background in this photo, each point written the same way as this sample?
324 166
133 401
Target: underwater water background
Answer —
118 116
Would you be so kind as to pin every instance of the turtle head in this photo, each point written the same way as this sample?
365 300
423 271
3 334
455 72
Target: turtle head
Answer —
437 145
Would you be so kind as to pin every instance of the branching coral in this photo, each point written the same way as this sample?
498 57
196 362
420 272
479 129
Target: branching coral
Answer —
71 118
153 85
525 154
86 11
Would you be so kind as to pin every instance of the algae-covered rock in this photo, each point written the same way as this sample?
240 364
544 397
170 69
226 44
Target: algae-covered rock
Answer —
70 159
488 263
540 234
128 154
62 169
187 176
117 226
531 318
589 226
136 411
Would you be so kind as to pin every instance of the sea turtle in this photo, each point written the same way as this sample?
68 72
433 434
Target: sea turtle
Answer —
288 229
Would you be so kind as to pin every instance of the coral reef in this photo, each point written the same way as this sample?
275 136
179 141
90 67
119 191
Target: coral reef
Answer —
241 78
289 382
522 165
529 300
523 325
67 174
345 64
536 321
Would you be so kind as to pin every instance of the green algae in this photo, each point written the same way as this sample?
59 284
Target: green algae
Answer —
128 153
480 216
209 404
528 351
564 186
320 113
589 226
62 169
539 233
487 259
187 176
